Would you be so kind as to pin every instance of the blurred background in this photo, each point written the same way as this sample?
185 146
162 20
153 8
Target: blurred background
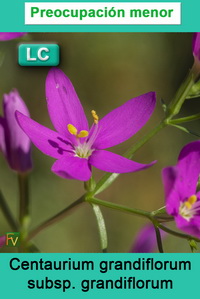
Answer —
107 69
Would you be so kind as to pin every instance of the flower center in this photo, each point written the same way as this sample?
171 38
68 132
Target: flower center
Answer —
188 209
83 147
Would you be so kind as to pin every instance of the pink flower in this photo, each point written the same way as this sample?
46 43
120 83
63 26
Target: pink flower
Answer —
10 35
180 184
76 147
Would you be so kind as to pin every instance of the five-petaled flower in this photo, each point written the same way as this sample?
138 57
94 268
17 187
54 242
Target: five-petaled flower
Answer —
180 184
10 35
74 145
14 143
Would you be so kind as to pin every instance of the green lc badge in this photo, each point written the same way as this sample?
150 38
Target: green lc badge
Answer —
38 54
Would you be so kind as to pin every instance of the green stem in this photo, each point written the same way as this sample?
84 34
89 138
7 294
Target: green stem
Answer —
177 234
185 119
185 130
140 213
61 215
82 199
108 178
159 239
101 227
181 95
193 97
161 216
24 217
110 205
24 200
7 213
122 208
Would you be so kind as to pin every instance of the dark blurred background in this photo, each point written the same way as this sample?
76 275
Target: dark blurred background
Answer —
106 69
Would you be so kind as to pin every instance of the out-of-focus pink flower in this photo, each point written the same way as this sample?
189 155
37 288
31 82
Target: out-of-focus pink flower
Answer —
145 241
10 35
14 143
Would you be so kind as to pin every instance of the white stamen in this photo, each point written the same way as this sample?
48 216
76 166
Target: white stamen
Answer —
85 150
189 213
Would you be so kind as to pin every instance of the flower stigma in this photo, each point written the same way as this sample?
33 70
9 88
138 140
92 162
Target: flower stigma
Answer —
189 208
83 148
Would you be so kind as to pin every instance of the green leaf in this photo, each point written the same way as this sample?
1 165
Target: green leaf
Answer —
181 120
181 95
185 130
193 245
101 227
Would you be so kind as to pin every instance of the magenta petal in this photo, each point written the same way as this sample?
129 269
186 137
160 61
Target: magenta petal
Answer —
196 45
191 227
10 35
49 142
63 103
111 162
169 175
72 167
189 168
124 121
2 136
172 189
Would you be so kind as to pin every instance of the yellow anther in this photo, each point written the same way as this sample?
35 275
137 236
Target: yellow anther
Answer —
83 134
192 199
72 130
187 205
95 116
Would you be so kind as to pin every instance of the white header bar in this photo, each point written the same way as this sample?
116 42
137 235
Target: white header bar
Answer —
98 13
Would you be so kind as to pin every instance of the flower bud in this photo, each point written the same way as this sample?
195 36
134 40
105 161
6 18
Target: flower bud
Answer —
196 46
14 143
